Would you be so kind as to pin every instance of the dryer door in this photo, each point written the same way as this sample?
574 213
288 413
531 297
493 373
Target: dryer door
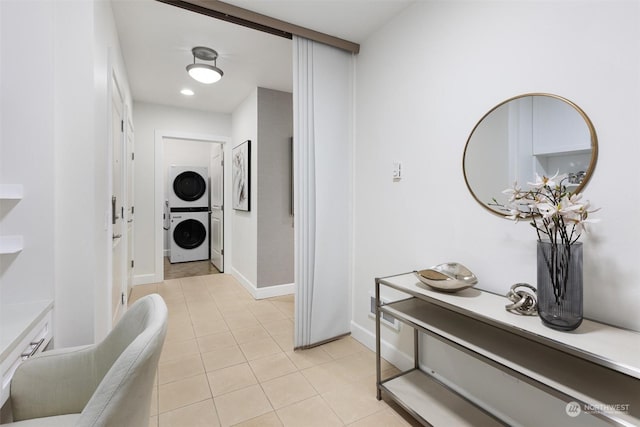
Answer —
189 186
189 234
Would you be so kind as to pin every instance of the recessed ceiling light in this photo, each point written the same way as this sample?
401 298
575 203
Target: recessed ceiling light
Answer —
187 92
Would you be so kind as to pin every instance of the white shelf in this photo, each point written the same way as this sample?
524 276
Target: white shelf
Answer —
16 320
434 403
11 244
11 191
596 365
559 371
563 151
614 348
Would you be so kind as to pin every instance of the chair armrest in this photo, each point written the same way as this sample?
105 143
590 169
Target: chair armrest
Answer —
53 383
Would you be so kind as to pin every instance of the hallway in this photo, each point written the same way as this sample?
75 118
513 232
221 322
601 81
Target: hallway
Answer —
228 360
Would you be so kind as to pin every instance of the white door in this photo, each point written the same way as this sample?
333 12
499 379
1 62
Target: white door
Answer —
117 210
130 206
216 173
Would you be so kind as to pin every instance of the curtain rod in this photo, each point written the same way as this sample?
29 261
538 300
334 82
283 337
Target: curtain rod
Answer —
247 18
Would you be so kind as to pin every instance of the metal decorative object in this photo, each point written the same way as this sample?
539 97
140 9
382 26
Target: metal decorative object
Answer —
522 301
447 277
576 177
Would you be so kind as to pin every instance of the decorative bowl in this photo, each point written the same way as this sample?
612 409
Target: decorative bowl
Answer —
447 277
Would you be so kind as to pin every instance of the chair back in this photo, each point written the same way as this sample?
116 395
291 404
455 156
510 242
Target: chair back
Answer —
127 360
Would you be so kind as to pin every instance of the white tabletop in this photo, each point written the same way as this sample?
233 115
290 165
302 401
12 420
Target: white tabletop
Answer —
613 347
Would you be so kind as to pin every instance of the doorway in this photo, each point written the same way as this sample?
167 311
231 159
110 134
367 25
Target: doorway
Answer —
216 220
190 239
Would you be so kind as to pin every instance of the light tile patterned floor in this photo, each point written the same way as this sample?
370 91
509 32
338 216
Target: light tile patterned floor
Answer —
188 269
228 360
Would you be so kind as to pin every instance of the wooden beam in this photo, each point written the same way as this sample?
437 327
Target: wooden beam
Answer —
237 15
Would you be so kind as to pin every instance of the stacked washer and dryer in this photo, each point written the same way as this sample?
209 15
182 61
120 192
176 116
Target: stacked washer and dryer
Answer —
188 213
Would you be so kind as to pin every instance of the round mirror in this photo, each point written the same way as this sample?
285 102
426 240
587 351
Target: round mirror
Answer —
527 135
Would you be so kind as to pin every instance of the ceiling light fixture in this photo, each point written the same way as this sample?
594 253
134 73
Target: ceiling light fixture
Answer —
187 92
204 73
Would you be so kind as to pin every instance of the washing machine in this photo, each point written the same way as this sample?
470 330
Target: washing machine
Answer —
188 187
189 235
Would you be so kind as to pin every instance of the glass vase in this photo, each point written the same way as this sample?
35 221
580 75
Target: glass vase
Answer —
559 282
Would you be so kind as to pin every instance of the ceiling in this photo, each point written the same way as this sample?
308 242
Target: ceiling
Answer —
156 41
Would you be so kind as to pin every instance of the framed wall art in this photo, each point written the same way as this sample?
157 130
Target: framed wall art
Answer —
241 179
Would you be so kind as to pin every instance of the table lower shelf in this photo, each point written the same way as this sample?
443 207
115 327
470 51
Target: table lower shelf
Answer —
433 403
563 375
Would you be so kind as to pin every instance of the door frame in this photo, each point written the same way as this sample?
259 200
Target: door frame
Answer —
221 268
159 137
129 184
115 89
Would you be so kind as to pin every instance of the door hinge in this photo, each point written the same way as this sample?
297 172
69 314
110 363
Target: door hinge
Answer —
121 125
133 156
113 210
122 212
133 263
122 297
221 251
132 209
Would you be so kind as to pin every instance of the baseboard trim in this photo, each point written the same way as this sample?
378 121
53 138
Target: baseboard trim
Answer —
390 353
262 293
145 279
275 291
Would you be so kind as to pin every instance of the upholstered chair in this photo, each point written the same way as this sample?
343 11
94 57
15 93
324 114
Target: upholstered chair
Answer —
108 384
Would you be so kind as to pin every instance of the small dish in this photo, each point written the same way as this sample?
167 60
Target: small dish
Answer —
447 277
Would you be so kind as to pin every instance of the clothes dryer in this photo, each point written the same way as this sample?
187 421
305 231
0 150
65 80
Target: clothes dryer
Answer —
188 187
189 236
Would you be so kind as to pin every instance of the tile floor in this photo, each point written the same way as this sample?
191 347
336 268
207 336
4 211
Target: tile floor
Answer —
187 269
228 360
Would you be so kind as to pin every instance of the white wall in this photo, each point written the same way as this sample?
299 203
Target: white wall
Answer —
107 64
275 222
60 118
83 148
447 63
77 277
262 238
244 260
149 118
27 149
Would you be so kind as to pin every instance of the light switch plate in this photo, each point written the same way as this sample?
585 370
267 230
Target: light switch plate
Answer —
397 171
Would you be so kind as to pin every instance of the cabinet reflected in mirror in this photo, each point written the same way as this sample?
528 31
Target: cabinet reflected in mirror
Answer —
525 135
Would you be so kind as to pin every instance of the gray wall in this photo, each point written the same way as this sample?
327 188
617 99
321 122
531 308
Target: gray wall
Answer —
275 223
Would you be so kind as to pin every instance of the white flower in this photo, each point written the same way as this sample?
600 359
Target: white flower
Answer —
554 212
582 224
582 217
513 192
568 206
546 209
542 182
515 214
575 198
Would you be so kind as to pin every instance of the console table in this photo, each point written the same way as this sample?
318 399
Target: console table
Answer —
596 366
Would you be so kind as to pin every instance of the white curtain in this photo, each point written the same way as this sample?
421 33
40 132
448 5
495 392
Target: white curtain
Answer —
322 106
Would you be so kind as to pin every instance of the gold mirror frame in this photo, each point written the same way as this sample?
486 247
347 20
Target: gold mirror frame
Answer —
588 172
